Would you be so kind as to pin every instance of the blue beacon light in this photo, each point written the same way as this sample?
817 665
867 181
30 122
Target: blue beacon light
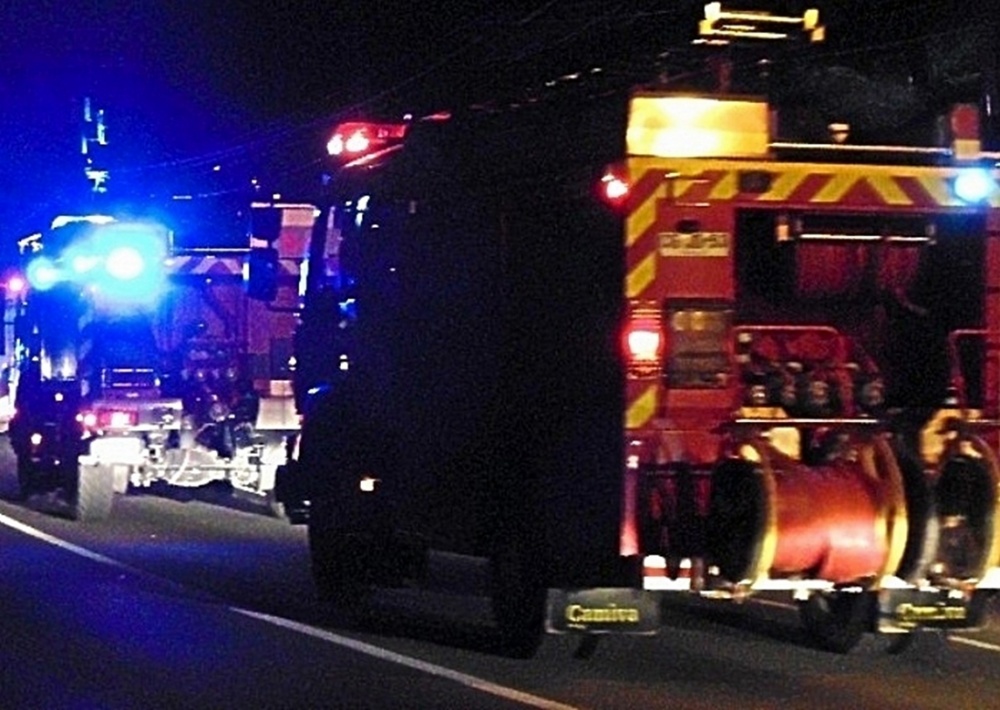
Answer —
974 185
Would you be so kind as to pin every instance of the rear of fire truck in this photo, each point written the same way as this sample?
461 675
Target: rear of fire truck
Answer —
140 363
811 353
770 367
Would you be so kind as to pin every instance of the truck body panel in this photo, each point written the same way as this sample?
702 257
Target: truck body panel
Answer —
775 372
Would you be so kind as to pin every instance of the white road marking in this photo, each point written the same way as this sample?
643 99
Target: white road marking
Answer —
358 646
63 544
985 645
398 658
771 602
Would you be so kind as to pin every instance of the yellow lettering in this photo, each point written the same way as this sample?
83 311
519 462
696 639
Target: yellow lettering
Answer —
915 613
579 614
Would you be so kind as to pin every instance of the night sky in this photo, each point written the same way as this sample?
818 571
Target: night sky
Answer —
189 84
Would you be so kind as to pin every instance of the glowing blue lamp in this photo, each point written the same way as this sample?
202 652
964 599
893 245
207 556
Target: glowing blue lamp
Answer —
42 273
974 185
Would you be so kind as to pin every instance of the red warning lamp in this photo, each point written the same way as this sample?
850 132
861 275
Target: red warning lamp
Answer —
352 140
16 284
644 342
614 188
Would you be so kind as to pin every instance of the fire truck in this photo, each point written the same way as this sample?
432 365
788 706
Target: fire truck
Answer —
137 359
754 366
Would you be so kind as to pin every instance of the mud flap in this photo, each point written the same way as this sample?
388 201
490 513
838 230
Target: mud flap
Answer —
904 610
92 495
603 610
292 492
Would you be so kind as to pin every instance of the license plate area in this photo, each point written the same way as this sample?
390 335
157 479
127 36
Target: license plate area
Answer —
902 610
605 610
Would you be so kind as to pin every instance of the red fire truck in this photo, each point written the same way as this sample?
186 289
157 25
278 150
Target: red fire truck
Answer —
135 359
811 366
761 366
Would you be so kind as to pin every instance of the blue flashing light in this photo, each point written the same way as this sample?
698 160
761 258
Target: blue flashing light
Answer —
133 256
42 273
82 263
120 263
974 185
125 263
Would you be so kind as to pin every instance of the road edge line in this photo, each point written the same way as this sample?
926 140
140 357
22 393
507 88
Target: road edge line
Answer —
383 654
15 524
349 643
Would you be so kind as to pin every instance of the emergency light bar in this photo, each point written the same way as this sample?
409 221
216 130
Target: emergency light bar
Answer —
721 25
121 262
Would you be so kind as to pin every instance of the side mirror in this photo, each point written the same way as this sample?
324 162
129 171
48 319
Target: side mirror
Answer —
260 274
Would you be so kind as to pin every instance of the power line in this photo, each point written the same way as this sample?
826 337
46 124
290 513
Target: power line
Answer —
540 34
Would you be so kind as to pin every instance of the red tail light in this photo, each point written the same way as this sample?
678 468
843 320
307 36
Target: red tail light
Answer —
101 419
644 342
614 188
353 140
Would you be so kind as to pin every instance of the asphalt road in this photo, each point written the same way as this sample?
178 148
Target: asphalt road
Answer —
199 603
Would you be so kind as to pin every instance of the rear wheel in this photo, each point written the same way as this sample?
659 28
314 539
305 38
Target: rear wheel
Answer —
93 492
517 596
837 621
27 477
342 567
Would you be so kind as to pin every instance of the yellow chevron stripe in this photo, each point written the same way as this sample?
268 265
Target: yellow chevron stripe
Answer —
642 218
938 189
727 187
787 178
680 186
641 410
784 184
639 278
835 188
889 190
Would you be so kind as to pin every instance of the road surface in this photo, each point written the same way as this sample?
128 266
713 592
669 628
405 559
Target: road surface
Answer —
207 603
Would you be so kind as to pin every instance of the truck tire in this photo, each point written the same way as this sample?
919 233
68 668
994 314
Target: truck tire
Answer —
274 507
341 568
837 621
517 597
93 493
27 478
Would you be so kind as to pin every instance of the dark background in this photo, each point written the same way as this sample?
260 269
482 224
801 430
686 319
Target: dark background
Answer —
252 88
